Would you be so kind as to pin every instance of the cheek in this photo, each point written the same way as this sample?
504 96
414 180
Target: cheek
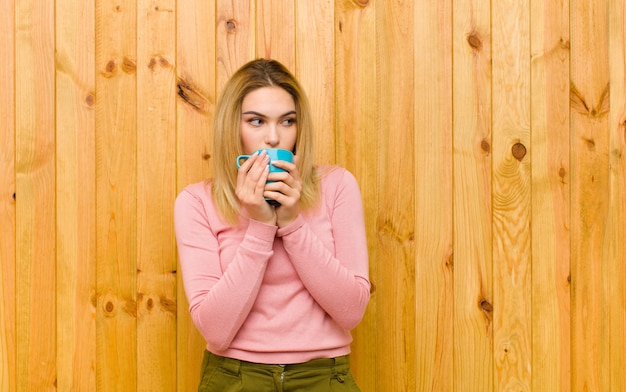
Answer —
291 140
246 139
249 139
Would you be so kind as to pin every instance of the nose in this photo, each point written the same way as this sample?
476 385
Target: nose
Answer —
272 138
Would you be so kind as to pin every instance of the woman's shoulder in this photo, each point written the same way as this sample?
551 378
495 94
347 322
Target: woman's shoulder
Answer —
334 174
336 179
198 191
200 187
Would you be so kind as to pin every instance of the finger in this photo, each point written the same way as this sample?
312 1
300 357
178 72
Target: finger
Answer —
252 168
284 186
288 166
262 180
247 164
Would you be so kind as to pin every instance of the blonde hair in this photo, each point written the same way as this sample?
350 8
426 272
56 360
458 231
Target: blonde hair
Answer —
227 137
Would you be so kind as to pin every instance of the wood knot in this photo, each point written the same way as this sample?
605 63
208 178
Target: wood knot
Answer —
485 146
149 304
519 151
192 96
231 26
90 100
590 143
129 66
562 172
579 103
206 156
474 42
163 62
109 69
130 307
450 261
168 305
361 3
109 308
486 306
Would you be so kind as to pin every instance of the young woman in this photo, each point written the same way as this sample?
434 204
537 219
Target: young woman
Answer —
274 290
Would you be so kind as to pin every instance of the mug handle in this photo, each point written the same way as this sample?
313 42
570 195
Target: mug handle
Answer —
240 157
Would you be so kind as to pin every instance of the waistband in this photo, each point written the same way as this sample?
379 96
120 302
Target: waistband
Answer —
319 363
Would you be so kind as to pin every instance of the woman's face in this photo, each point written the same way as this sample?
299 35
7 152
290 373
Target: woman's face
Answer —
268 120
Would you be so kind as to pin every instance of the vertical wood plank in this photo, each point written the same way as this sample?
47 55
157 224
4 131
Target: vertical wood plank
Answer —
550 196
395 222
356 132
615 246
314 35
75 194
156 191
235 25
35 196
433 196
472 146
275 31
7 198
511 195
589 106
116 189
196 68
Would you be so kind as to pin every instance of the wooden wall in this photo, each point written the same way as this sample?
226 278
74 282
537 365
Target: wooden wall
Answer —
488 139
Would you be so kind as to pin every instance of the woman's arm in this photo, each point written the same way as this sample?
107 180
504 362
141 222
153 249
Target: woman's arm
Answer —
339 283
219 301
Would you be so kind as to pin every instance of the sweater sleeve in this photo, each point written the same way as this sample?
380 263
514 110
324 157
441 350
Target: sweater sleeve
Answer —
219 301
339 283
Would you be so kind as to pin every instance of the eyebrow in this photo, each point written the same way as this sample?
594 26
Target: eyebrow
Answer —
263 115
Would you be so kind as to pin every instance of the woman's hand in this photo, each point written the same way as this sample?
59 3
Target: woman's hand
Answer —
251 179
286 190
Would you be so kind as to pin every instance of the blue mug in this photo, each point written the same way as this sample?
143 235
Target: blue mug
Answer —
275 154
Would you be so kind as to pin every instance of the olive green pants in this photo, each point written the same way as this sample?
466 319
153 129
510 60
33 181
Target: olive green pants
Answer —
221 374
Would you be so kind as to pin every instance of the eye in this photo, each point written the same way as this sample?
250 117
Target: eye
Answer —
255 121
289 121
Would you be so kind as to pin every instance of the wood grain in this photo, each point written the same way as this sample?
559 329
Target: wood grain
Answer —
395 215
433 184
35 235
472 146
196 67
614 245
589 153
511 196
8 377
116 190
75 195
355 134
235 38
156 191
550 196
275 31
314 35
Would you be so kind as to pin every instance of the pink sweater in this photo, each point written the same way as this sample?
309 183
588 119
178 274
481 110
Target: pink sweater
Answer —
268 295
